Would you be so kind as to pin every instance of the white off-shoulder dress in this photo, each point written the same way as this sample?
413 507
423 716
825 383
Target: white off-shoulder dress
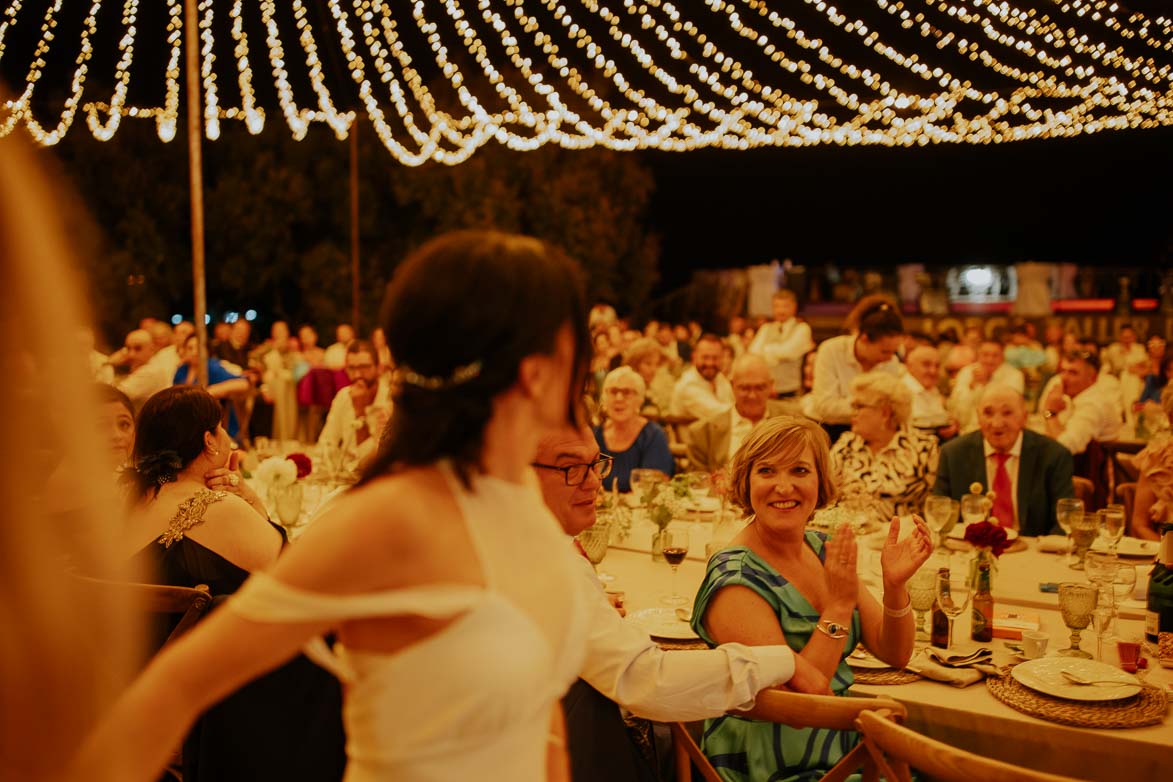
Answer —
474 700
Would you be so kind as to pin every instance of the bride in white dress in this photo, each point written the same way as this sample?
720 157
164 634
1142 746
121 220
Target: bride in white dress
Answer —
442 575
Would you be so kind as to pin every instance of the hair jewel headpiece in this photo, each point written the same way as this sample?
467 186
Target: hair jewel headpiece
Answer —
161 467
461 375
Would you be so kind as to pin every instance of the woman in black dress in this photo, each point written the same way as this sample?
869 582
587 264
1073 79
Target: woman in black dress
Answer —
286 724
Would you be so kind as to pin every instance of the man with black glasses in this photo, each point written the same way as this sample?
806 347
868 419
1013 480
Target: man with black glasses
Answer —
624 667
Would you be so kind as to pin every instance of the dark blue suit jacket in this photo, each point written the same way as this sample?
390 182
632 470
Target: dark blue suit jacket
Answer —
1044 477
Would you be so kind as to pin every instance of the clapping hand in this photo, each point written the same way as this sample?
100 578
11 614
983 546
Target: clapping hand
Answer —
900 559
840 566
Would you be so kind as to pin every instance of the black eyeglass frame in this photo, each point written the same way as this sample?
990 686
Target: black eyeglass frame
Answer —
601 467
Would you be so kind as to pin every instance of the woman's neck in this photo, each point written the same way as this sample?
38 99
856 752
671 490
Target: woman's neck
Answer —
779 546
625 427
510 442
878 442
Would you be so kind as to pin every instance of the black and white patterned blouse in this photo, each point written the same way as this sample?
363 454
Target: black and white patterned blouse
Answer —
891 482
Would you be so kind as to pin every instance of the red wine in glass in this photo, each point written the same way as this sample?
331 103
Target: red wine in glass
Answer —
675 555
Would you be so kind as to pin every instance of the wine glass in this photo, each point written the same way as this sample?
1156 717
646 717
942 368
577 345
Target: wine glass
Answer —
1076 604
642 479
953 593
1111 521
594 540
1084 527
954 515
1124 582
699 483
937 516
1064 510
1100 568
974 508
922 592
675 549
1101 621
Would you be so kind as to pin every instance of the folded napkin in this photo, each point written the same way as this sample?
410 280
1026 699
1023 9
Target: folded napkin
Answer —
1055 544
961 671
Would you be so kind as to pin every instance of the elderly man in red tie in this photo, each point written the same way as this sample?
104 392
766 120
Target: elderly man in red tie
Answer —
1028 472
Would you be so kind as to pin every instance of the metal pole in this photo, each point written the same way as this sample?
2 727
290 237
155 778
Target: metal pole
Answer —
354 265
195 129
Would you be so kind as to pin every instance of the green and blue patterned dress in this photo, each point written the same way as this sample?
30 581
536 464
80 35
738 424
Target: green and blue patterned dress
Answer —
744 750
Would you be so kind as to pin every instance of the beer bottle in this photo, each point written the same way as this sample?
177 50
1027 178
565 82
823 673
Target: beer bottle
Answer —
983 606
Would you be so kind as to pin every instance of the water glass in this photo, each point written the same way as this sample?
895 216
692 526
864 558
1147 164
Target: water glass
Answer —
1064 510
1124 582
594 540
1102 621
1076 604
1100 567
1084 527
642 479
1111 521
922 591
937 511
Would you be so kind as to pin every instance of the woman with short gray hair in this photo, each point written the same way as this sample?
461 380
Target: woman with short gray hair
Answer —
632 440
882 464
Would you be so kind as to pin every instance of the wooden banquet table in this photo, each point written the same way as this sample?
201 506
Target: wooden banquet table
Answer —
970 717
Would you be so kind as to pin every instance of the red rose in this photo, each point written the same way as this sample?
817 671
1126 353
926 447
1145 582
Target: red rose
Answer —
988 536
304 465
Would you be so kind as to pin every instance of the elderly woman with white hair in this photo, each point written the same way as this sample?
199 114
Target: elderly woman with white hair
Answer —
882 461
630 439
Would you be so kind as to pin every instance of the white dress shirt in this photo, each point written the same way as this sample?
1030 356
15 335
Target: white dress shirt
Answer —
340 431
835 367
963 401
698 398
738 429
1093 414
628 667
783 345
1012 465
928 404
148 379
1118 359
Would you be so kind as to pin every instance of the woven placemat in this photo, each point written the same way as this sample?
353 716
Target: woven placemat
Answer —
884 676
1147 707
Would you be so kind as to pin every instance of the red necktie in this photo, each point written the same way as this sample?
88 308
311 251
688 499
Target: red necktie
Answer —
1003 509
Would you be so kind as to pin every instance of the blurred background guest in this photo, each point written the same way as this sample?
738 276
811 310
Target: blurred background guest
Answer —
1084 405
702 391
222 384
882 463
1153 505
875 335
1122 353
923 378
335 355
359 411
783 342
713 441
630 439
990 367
644 356
115 423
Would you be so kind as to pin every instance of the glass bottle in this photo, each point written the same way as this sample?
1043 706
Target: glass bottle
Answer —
983 606
1159 607
939 636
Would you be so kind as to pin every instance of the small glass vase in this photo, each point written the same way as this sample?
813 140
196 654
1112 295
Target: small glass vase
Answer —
658 538
287 502
980 556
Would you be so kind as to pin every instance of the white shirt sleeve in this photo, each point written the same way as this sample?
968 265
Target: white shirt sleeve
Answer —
624 664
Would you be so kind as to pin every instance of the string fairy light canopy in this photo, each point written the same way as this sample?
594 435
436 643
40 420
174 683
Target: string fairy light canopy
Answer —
437 79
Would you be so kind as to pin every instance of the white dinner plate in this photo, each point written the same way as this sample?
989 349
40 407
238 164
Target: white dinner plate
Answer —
1045 675
662 623
704 505
1130 547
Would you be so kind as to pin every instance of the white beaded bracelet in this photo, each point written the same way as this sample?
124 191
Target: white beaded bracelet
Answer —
896 614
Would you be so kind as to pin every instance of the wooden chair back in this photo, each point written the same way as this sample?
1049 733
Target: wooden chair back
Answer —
1084 490
190 603
796 710
895 749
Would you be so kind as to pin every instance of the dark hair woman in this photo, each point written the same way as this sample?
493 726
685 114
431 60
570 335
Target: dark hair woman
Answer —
442 573
182 533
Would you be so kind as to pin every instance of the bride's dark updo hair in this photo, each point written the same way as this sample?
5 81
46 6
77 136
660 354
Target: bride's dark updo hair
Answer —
460 315
170 435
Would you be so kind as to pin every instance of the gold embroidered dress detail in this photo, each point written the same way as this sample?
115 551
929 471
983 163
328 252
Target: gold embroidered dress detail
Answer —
191 512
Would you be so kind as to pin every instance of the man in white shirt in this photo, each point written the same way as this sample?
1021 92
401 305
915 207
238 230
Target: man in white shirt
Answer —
990 367
1122 354
623 666
335 355
147 376
1085 405
922 374
713 441
783 342
359 412
702 391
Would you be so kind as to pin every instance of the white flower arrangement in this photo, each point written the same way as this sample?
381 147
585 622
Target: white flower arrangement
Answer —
276 472
667 501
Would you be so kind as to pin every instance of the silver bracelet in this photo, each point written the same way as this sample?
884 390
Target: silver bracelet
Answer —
896 614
